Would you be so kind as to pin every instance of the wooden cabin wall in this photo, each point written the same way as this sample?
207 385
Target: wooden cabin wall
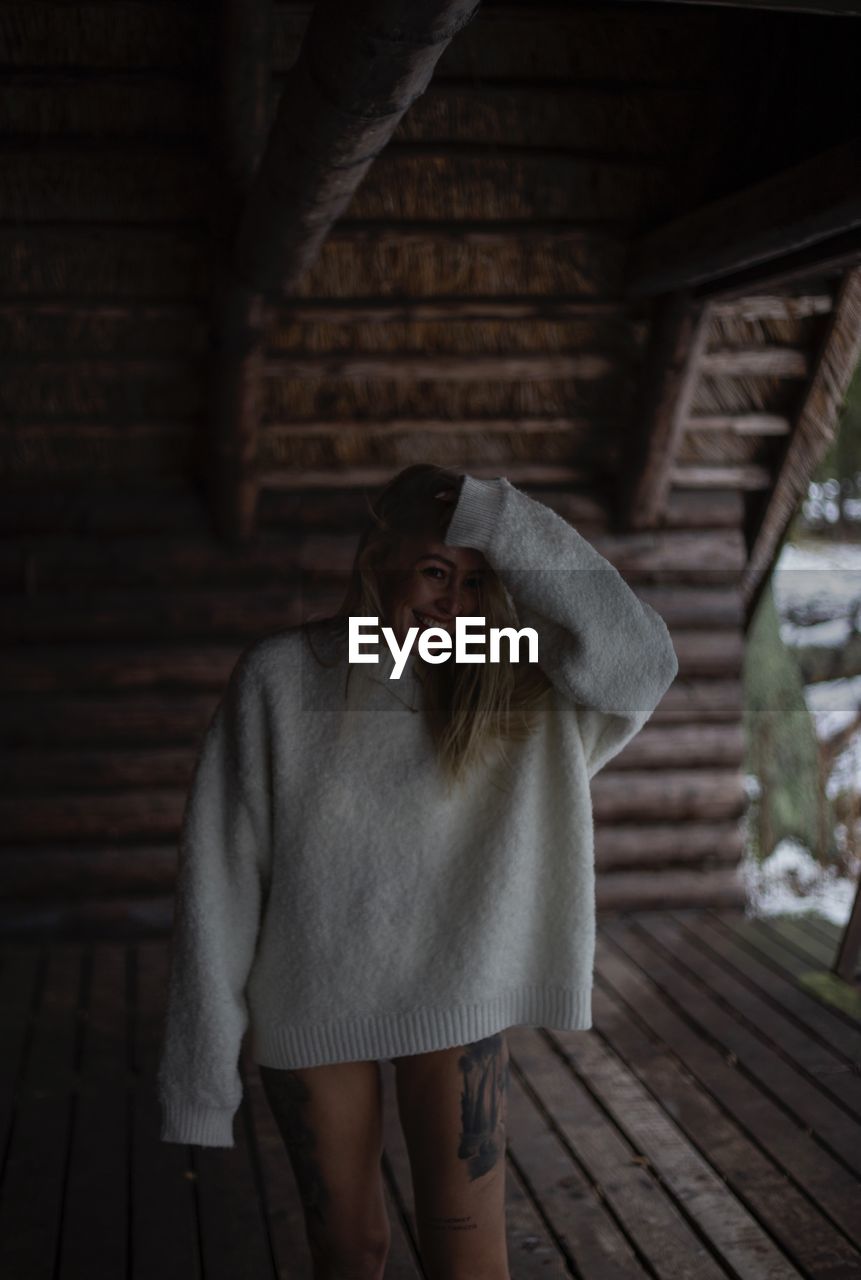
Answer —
468 309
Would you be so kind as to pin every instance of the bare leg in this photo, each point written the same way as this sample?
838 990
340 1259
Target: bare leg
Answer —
330 1118
452 1105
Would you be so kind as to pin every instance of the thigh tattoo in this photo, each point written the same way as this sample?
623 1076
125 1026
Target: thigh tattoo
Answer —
484 1067
288 1096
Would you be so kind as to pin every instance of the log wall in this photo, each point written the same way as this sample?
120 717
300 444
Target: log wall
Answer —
468 309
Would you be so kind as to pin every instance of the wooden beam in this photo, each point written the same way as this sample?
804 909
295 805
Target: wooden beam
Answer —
814 430
678 339
360 66
409 367
829 8
789 211
228 438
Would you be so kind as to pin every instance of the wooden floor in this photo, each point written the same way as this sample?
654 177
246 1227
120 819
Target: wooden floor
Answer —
709 1125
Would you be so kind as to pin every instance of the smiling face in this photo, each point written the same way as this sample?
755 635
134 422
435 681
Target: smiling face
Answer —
430 584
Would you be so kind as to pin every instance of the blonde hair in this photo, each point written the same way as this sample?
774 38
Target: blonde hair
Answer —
470 708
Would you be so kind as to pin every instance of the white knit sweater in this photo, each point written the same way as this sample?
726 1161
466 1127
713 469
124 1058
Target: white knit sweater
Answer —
334 898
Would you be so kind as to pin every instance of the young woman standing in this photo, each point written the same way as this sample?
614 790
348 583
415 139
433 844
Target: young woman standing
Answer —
401 868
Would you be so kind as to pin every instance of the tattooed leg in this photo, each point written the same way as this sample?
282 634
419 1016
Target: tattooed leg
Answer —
290 1097
484 1068
452 1106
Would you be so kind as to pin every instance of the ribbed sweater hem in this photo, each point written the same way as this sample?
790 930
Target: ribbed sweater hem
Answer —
421 1030
201 1126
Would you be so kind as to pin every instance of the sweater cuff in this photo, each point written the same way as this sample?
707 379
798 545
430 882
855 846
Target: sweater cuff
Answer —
477 513
198 1126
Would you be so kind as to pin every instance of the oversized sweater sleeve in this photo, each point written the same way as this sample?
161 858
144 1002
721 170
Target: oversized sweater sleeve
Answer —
223 875
600 646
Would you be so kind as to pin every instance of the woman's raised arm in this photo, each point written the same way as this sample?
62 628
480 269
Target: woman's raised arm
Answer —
598 643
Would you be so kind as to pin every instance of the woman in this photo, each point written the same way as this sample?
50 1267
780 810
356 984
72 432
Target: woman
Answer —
402 868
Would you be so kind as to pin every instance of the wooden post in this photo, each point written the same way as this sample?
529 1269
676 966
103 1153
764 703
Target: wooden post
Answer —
228 444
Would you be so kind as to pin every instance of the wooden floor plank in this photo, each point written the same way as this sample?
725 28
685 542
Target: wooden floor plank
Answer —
281 1202
649 1217
20 980
781 957
824 928
164 1217
778 986
825 1069
586 1233
737 1237
813 1169
234 1230
632 1031
96 1215
802 940
812 1109
34 1185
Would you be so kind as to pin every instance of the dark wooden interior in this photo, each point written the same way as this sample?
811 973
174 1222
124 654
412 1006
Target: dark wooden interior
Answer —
611 252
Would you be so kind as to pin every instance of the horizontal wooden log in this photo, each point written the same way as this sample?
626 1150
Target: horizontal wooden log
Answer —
154 813
668 890
674 795
71 563
375 477
98 667
493 186
167 616
150 716
37 103
700 702
575 427
747 476
92 767
69 262
834 8
187 615
417 310
740 424
55 872
772 307
126 918
516 367
147 37
131 184
39 873
163 510
652 847
695 607
83 332
68 455
151 916
150 395
776 362
673 746
649 121
607 45
89 817
136 719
